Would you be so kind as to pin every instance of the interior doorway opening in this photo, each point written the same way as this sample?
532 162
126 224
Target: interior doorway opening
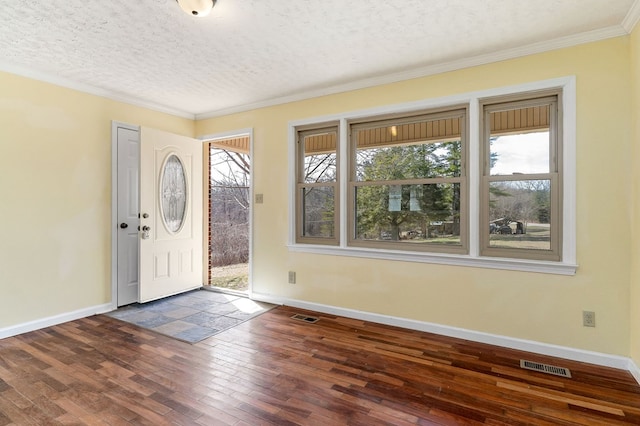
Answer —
229 214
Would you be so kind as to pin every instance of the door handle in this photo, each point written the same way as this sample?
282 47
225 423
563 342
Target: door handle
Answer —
124 225
145 232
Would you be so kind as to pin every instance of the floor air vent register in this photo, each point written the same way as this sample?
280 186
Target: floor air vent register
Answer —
545 368
305 318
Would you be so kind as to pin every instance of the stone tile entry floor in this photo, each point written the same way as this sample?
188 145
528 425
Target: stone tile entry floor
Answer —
192 316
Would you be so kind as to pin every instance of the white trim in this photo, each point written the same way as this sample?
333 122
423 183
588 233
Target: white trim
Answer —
115 125
633 16
598 358
26 327
252 211
91 90
291 165
563 42
591 357
634 370
546 267
568 265
569 182
343 182
531 49
444 101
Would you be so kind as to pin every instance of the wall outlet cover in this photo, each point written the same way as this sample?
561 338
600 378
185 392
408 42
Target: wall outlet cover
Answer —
588 318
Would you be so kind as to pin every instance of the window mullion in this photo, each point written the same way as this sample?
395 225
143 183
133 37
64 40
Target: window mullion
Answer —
344 166
476 190
474 172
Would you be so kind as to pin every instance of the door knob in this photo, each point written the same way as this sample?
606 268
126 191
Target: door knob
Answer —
124 225
145 232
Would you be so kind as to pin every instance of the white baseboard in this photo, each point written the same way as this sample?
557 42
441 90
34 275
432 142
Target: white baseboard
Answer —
590 357
54 320
634 370
565 352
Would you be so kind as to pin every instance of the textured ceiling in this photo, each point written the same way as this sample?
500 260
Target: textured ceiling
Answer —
256 52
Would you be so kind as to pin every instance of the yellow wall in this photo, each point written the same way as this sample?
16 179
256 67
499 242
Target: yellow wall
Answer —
55 189
55 165
539 307
635 216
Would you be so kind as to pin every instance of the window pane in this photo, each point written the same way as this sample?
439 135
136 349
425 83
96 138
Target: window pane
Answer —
412 214
320 157
320 168
318 212
423 160
519 142
525 153
520 214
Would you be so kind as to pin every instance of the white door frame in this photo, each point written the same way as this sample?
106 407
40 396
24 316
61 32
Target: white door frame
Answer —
114 203
205 188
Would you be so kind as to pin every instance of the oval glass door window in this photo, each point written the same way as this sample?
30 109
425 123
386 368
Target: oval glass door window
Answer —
173 194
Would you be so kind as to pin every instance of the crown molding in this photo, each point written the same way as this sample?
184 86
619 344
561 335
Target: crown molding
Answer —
633 16
541 47
563 42
91 90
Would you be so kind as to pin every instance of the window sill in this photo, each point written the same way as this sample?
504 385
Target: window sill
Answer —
524 265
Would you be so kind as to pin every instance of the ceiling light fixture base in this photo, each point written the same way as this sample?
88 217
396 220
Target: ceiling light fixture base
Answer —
199 8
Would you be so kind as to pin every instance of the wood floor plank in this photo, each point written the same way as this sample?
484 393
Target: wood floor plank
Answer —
274 370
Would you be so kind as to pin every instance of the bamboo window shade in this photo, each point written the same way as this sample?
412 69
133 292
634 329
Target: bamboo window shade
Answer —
520 120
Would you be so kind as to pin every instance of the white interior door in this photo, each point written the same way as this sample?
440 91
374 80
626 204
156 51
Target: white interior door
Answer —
128 146
171 214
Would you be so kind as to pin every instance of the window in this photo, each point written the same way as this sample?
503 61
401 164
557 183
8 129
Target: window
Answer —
483 179
408 183
317 185
521 179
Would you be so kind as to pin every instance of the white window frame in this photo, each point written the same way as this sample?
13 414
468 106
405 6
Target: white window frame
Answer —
566 266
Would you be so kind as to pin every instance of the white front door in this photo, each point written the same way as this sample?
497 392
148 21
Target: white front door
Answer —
171 214
128 151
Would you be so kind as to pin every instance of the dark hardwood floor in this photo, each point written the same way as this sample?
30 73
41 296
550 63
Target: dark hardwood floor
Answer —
274 370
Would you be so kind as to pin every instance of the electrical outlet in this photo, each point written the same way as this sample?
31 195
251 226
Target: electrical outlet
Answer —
259 198
292 277
588 318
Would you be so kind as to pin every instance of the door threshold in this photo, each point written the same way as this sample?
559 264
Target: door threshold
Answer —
225 291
